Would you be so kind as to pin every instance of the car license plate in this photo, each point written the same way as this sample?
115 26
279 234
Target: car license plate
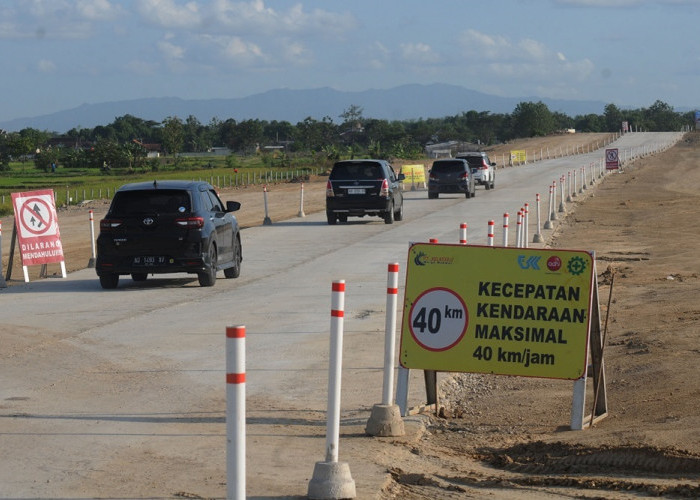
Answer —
150 260
356 191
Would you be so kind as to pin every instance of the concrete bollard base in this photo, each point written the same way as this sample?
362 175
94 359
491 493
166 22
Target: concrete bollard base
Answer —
537 238
331 481
384 421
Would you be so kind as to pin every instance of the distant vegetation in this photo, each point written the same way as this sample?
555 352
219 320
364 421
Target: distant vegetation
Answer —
119 152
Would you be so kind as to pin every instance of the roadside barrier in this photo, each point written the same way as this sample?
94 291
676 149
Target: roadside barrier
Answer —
235 413
331 479
91 262
385 419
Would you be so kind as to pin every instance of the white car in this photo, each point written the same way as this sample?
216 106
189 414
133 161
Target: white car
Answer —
483 169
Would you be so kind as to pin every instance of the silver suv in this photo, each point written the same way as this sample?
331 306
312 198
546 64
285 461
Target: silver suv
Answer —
483 169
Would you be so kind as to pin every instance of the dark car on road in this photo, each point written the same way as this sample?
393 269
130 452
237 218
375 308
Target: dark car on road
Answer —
451 176
168 227
364 187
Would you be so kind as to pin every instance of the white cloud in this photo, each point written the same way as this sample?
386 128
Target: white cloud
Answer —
97 9
46 66
170 50
169 14
419 54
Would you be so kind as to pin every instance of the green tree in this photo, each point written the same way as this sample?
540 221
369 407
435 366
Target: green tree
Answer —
173 135
532 120
613 118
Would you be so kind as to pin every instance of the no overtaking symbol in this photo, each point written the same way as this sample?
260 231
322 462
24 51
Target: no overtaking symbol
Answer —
612 155
36 217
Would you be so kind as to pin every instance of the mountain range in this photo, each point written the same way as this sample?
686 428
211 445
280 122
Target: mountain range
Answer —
406 102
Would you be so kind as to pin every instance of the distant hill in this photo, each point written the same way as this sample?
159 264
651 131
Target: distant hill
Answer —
400 103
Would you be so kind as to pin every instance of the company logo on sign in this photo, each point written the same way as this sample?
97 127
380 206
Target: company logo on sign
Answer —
532 262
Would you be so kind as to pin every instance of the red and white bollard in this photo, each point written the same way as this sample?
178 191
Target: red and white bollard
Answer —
463 233
492 226
433 240
91 262
332 479
3 283
235 413
505 229
526 221
301 202
538 235
519 229
266 221
385 419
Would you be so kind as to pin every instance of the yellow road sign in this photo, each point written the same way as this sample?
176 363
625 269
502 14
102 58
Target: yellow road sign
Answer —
510 311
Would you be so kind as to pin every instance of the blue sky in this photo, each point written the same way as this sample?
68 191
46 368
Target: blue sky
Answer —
58 54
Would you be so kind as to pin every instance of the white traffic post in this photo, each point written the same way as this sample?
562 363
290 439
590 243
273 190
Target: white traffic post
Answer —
91 262
463 233
551 214
385 419
568 187
583 179
505 229
492 225
538 235
301 202
518 229
526 221
3 283
562 207
575 184
331 479
235 413
266 221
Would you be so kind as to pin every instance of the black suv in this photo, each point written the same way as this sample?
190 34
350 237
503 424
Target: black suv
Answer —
364 187
168 227
451 176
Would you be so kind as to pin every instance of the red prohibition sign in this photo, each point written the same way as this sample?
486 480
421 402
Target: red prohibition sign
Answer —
42 215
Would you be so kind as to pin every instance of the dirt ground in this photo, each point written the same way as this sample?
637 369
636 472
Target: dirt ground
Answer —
508 437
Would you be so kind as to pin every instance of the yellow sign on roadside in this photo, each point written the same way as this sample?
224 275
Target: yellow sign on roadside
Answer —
415 174
508 311
518 156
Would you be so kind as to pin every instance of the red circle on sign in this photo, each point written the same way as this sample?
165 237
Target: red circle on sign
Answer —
554 263
45 225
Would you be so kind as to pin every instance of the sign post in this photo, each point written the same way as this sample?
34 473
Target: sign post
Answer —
38 235
504 311
612 159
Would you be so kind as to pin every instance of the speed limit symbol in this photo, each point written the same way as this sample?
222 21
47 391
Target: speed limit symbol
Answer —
438 319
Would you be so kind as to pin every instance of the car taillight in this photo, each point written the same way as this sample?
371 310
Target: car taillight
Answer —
384 191
484 166
433 177
329 190
107 225
191 222
464 175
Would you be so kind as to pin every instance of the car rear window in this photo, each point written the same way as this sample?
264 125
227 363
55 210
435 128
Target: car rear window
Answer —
356 170
448 167
475 161
162 201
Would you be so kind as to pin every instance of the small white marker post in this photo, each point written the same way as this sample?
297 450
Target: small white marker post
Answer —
235 413
492 225
3 283
537 238
385 419
301 202
266 221
463 233
505 229
91 262
551 214
331 479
